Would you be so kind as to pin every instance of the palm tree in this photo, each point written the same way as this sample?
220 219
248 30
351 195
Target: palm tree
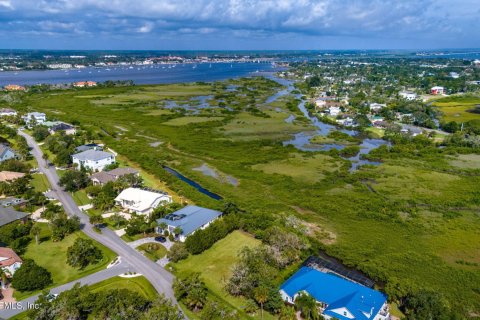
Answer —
308 306
163 225
261 296
177 231
287 313
35 231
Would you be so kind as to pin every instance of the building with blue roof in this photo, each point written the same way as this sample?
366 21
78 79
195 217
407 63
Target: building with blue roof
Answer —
336 296
189 219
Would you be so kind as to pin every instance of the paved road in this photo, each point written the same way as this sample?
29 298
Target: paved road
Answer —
160 278
88 280
167 244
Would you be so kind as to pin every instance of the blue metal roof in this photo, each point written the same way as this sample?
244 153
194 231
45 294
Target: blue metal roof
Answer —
190 218
362 302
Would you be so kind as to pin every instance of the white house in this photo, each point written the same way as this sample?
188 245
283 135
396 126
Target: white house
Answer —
34 118
6 112
377 106
437 90
407 95
189 219
93 159
9 261
141 201
334 111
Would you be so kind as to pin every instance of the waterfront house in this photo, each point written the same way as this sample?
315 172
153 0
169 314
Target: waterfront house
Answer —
82 84
34 118
14 87
103 177
142 201
7 112
337 297
58 126
93 159
189 219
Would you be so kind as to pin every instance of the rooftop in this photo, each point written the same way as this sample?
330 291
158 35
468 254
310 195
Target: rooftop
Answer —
190 218
362 302
8 257
142 199
9 215
92 155
10 175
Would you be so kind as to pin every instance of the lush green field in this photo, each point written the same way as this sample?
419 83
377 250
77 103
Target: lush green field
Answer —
40 182
411 220
53 256
80 198
137 284
153 251
459 108
215 265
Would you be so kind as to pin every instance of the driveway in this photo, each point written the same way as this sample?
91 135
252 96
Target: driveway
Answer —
105 274
168 244
160 278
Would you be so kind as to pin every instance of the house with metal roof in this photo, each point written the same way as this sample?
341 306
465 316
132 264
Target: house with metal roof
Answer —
9 215
189 219
6 153
93 159
337 297
103 177
142 201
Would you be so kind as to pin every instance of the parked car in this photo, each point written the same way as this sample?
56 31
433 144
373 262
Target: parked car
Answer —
161 239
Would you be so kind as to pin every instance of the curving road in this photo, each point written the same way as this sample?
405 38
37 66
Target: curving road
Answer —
25 304
160 278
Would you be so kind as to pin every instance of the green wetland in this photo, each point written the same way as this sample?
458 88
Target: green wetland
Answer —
412 222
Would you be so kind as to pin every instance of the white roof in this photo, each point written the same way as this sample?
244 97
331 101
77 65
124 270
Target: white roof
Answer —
437 88
143 199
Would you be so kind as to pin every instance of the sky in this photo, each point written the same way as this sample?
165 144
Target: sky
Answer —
239 24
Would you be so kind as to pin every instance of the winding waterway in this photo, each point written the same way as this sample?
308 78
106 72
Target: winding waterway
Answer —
302 142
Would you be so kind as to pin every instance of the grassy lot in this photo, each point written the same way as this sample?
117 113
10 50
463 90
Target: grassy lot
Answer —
81 198
153 251
459 108
137 284
190 120
409 220
53 256
40 182
215 265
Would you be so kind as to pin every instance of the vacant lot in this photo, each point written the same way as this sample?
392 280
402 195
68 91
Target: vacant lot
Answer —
53 256
136 284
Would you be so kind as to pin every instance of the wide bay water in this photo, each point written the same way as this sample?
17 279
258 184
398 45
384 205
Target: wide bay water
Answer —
144 74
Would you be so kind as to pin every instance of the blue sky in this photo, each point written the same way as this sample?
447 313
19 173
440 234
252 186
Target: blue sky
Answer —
239 24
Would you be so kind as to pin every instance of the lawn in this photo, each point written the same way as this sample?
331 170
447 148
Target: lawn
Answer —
466 161
80 197
215 265
153 251
136 284
40 182
53 256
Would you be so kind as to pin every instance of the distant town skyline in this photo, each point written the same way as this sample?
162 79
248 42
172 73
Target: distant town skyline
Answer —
238 25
